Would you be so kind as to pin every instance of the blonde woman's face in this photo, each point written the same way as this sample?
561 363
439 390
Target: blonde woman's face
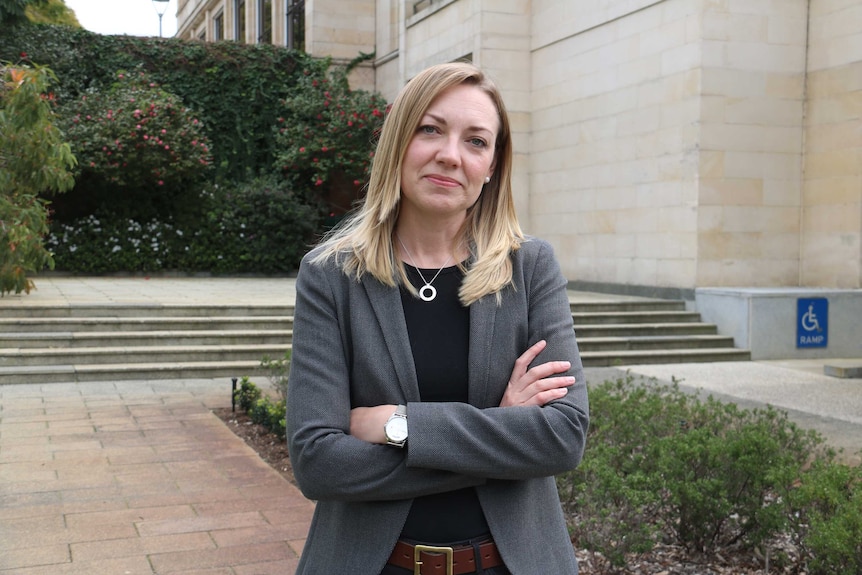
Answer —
450 154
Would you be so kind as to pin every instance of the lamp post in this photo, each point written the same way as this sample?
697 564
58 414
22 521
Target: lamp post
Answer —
161 7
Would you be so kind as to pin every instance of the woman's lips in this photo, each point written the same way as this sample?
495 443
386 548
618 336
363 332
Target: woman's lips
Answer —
442 181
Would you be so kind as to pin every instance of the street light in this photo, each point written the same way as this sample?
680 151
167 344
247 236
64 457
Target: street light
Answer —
161 7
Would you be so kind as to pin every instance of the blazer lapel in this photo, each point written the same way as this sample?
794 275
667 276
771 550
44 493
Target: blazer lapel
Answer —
483 314
386 303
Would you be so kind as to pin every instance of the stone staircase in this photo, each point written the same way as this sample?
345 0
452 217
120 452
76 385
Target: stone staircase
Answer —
628 332
49 344
99 343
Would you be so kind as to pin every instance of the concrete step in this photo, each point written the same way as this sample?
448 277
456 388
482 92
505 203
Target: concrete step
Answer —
620 358
622 305
643 329
128 342
130 372
105 323
132 354
112 309
660 316
635 343
73 339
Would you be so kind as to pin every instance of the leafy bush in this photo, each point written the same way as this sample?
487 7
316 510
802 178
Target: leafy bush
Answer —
825 509
34 159
261 409
259 226
234 88
247 394
662 465
326 137
97 245
136 135
278 371
256 227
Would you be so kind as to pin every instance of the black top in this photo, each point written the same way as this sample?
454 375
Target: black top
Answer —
439 333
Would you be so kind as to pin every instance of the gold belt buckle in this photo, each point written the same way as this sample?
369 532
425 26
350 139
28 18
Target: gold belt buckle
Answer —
447 551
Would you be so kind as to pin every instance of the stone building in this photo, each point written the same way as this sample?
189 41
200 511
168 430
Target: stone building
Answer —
664 147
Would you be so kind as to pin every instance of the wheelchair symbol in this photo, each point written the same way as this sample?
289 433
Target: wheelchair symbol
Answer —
809 320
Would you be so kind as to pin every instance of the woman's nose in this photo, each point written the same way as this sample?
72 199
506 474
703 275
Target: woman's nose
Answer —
448 151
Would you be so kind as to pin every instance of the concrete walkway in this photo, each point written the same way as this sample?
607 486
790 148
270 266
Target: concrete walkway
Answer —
140 477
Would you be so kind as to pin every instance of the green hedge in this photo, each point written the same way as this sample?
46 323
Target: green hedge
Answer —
663 466
257 227
234 88
242 175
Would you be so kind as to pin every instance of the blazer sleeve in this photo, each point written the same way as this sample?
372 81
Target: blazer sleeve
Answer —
512 442
328 463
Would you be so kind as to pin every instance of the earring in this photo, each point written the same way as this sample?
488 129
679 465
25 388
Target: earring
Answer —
487 179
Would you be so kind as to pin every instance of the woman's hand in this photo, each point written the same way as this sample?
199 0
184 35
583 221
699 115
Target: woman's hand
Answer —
366 423
535 386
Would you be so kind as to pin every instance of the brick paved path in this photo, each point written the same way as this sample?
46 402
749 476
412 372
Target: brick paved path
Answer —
137 478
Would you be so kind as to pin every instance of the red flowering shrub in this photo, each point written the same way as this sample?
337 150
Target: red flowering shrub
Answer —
135 135
326 137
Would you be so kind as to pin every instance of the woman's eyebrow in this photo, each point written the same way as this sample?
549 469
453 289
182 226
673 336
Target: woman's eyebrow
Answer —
441 120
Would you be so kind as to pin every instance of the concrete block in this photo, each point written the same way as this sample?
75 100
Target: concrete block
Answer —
846 370
764 320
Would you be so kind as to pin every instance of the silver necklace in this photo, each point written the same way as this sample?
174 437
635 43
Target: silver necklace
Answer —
426 292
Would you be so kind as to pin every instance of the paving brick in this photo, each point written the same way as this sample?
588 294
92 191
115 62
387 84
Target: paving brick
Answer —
222 557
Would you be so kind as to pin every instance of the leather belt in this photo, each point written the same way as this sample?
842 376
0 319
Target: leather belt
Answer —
434 560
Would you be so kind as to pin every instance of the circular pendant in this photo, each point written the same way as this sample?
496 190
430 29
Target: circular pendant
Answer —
431 292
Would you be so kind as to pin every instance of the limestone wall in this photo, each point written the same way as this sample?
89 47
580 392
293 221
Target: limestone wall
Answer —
832 191
751 137
615 140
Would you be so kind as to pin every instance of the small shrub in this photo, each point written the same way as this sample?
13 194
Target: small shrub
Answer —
247 394
825 508
662 465
278 371
261 409
720 470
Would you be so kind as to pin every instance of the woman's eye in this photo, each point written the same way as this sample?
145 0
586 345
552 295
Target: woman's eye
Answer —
426 129
478 142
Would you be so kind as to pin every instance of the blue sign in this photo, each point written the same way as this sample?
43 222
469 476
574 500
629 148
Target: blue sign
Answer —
812 322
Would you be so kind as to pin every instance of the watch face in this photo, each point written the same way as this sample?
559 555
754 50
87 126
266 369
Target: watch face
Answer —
396 429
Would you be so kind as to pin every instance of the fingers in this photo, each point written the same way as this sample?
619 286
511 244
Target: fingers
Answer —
537 385
526 358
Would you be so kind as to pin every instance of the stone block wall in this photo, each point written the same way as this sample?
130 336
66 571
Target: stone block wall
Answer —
750 141
614 165
832 188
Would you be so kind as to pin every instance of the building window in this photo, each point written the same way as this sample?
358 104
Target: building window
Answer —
239 20
218 27
264 21
295 24
419 5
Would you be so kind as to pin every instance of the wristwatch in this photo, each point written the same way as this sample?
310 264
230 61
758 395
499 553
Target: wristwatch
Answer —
395 427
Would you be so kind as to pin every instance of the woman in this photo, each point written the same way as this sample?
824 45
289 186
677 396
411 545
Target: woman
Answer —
436 386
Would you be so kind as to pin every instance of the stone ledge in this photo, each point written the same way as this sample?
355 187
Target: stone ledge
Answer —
844 371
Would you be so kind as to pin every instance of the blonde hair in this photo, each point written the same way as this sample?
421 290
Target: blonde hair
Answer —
363 242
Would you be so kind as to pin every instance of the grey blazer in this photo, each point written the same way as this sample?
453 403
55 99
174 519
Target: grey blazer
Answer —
351 349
